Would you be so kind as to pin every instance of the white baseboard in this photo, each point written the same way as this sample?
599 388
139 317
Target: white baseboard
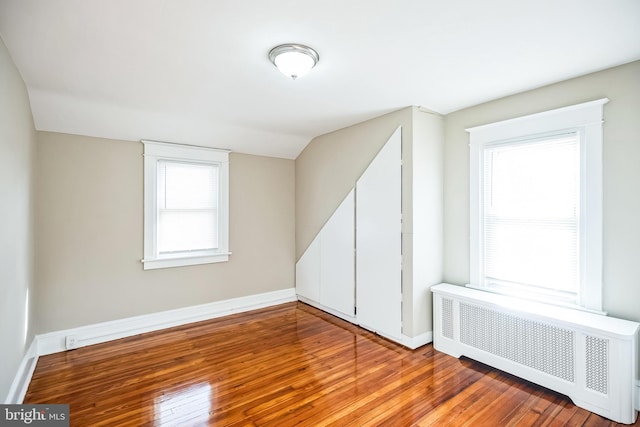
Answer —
418 341
22 379
410 342
351 319
54 342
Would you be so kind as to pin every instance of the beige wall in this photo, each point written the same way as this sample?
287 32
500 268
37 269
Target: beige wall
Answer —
89 235
425 236
621 175
17 141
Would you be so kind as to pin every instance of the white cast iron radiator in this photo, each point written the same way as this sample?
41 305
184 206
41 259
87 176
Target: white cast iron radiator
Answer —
589 357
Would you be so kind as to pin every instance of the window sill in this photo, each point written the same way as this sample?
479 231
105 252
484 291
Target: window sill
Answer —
183 261
538 299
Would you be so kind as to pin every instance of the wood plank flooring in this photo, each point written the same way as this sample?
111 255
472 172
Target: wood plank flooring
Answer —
283 366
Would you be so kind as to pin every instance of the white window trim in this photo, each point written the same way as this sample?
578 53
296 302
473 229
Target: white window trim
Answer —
586 119
154 151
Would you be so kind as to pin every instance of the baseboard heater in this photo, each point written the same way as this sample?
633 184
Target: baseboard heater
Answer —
588 357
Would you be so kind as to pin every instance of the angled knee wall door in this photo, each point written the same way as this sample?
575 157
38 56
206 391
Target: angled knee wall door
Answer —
325 273
379 242
328 274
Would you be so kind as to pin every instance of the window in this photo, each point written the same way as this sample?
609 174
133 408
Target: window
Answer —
536 206
186 205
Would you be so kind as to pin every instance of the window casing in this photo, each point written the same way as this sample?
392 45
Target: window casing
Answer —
186 205
536 206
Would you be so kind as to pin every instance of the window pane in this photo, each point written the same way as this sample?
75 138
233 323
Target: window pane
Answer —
180 231
534 179
187 206
187 185
533 253
531 196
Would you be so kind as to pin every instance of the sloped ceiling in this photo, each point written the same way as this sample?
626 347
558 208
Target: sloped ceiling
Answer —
197 72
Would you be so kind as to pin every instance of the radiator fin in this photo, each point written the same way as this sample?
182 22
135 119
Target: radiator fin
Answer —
541 346
447 318
597 352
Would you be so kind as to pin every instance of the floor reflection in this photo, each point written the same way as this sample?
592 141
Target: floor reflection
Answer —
187 406
285 366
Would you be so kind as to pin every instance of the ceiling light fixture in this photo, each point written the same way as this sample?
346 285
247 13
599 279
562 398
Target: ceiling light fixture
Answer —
294 60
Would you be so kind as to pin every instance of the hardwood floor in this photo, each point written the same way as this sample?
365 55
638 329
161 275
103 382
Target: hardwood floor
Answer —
282 366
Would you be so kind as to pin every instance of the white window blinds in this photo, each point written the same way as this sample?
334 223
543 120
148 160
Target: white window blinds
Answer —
531 215
187 207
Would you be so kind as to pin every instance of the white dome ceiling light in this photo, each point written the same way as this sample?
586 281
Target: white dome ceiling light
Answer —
294 60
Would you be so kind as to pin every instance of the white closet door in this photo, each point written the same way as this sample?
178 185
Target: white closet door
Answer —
378 242
308 272
337 259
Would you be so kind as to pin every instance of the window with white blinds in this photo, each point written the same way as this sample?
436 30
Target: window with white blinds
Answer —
536 206
531 223
186 205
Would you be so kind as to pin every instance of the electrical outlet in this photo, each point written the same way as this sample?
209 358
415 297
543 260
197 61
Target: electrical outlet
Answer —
71 342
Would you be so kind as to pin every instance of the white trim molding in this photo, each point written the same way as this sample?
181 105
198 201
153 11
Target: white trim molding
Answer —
21 381
638 395
417 341
54 342
406 341
154 152
329 310
585 121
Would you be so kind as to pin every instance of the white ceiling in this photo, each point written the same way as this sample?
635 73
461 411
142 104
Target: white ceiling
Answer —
197 72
